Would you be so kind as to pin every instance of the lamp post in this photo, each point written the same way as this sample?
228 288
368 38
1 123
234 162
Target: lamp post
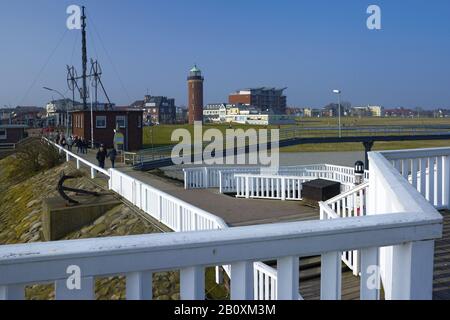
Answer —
65 103
338 92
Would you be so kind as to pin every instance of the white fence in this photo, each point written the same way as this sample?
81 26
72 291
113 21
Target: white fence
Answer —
416 165
400 224
269 187
7 146
352 203
223 177
178 215
70 155
138 257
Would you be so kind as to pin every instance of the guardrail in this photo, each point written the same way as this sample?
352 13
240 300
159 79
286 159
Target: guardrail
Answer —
400 224
223 177
352 203
138 257
7 146
270 186
416 165
93 168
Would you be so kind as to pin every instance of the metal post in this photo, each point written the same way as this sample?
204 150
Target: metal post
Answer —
339 111
92 126
84 57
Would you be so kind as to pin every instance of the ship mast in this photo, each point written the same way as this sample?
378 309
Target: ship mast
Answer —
84 59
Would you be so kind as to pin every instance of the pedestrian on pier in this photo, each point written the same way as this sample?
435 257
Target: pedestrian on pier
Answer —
78 145
112 155
63 142
69 143
84 146
101 156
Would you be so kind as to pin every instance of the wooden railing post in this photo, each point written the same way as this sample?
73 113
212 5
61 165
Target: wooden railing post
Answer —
288 278
247 187
283 188
139 286
192 283
446 182
242 278
84 292
330 281
12 292
412 266
180 218
370 274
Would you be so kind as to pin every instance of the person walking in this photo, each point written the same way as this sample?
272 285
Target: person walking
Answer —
78 144
69 143
101 156
83 146
63 142
112 155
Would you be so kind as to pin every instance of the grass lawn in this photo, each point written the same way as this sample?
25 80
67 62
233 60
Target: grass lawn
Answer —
158 136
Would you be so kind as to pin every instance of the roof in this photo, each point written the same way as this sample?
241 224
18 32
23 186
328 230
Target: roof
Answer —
116 109
195 69
261 89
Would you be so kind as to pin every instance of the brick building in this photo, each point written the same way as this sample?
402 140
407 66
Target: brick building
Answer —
265 99
129 122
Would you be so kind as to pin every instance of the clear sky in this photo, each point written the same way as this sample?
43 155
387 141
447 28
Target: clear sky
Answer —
311 47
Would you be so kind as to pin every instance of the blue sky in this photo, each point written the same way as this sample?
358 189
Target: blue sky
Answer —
310 47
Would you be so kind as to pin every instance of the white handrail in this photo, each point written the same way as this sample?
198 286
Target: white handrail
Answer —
400 224
352 203
78 158
138 256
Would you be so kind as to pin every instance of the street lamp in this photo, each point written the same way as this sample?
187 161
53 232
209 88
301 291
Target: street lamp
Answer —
338 92
65 103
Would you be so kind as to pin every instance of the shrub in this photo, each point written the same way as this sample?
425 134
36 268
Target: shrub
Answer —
32 157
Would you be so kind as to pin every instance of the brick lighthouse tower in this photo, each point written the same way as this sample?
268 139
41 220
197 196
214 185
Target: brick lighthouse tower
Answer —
195 86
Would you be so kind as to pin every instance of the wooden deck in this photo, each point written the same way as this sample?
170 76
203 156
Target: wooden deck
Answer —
235 212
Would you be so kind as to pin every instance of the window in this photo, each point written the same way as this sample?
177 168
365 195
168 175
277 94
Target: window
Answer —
121 121
100 122
3 135
139 122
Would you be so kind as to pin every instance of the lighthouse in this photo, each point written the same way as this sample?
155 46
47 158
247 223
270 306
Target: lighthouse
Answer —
195 92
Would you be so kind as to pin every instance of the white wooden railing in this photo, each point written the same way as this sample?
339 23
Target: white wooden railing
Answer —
79 160
177 214
397 235
223 177
352 203
416 165
138 257
269 186
7 146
